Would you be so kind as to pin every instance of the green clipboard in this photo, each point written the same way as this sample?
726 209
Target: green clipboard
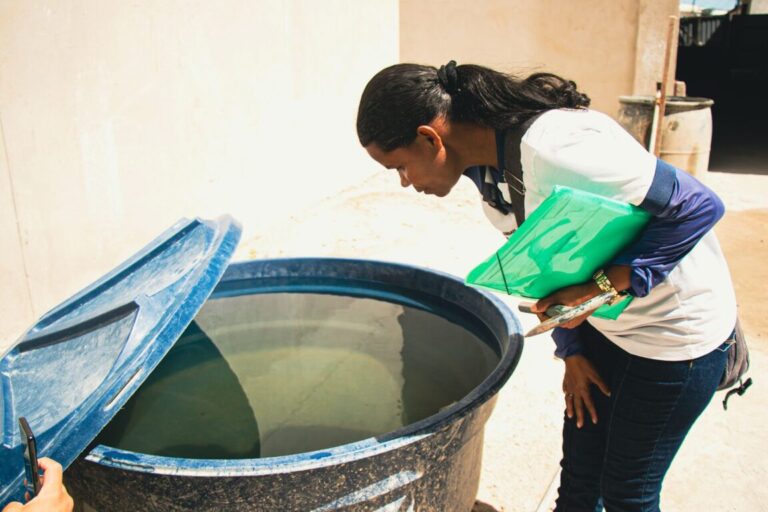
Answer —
562 243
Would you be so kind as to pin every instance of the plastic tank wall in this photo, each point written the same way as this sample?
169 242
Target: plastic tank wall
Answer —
117 118
608 47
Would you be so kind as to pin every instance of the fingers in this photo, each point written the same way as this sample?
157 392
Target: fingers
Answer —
542 304
592 377
52 476
574 405
540 307
577 321
580 375
590 406
47 465
577 385
569 297
582 404
601 385
578 405
53 496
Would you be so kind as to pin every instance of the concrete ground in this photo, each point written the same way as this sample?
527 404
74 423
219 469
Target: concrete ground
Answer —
721 466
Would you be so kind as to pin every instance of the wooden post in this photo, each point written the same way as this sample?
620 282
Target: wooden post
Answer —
662 97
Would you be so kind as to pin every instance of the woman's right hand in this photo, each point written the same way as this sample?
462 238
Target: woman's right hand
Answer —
53 496
579 374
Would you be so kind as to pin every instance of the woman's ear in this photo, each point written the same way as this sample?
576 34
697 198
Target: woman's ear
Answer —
430 135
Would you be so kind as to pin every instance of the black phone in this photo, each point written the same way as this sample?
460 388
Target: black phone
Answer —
30 458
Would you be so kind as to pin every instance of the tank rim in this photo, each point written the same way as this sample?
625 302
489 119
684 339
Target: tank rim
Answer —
153 464
670 100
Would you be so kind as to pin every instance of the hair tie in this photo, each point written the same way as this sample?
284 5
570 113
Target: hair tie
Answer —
448 77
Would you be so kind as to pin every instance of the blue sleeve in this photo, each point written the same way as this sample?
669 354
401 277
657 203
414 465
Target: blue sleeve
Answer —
567 342
683 210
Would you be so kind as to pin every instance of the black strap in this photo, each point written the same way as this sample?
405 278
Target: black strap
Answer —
508 157
743 386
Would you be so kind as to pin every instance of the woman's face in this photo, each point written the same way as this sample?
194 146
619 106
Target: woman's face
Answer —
424 164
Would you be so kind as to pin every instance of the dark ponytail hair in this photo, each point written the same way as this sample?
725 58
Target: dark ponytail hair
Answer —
400 98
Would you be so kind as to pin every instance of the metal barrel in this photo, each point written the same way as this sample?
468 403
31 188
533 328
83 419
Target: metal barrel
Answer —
686 130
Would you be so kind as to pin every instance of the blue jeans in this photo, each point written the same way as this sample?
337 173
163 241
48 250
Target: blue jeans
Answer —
620 462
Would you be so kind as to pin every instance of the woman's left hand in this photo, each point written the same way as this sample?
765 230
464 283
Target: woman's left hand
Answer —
580 375
569 296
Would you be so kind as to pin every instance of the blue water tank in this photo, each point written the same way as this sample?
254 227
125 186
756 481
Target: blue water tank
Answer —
92 353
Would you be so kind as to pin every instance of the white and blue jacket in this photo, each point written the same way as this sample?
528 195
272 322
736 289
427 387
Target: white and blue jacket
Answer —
684 304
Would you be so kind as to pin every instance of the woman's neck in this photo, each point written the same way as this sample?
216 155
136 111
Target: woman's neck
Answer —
472 144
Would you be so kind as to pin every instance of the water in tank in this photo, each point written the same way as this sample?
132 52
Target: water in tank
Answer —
271 374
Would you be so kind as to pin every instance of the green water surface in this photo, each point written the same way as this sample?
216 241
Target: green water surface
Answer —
283 373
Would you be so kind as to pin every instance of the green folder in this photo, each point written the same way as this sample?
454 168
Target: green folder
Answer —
563 242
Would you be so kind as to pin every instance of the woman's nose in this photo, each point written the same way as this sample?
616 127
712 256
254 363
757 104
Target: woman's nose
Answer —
404 179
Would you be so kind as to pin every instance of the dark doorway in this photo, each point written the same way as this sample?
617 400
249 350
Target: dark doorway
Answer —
725 58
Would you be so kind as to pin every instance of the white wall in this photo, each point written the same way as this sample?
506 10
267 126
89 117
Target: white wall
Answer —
118 118
15 301
758 7
609 47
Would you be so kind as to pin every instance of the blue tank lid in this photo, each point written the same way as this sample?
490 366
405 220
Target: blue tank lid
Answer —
78 365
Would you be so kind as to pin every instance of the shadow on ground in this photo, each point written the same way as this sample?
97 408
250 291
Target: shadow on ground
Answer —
739 147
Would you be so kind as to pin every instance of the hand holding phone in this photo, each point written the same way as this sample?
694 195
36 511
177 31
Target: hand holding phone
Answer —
53 495
559 314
